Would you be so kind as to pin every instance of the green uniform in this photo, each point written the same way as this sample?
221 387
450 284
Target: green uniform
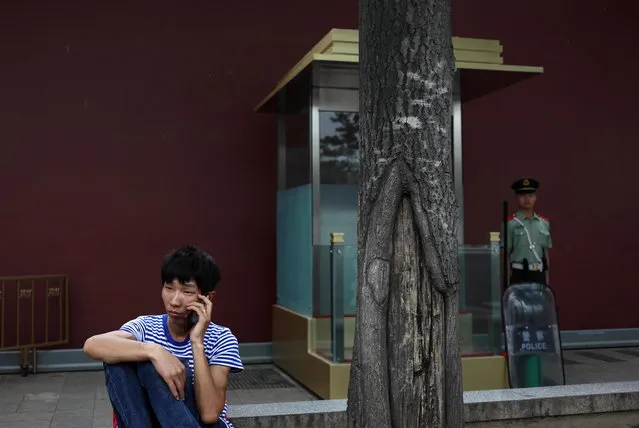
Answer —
529 247
539 230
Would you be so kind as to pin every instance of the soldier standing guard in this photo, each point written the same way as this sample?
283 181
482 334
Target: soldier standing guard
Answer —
528 237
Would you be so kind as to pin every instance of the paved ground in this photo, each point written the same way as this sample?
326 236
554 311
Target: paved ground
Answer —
78 400
601 365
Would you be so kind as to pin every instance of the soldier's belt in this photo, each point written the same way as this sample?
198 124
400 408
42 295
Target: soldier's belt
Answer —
532 266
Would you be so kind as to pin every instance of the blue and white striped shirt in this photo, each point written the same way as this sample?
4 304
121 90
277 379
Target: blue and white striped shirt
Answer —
220 345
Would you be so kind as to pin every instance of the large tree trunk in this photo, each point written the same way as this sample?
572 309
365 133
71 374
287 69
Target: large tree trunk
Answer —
406 369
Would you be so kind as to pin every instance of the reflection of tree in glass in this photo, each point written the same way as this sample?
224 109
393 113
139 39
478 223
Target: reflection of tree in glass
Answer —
339 152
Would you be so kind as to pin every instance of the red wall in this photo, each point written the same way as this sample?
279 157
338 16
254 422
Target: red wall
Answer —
127 129
574 128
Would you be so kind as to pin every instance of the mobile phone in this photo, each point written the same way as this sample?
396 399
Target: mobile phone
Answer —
192 319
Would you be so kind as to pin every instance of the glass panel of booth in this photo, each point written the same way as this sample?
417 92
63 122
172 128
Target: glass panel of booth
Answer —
294 212
480 328
338 175
334 321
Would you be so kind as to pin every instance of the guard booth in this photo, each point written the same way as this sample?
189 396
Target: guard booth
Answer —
316 107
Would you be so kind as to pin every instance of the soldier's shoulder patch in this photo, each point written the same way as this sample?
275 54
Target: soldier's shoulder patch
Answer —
543 218
512 217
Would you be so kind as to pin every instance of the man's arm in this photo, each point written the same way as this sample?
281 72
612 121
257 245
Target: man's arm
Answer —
117 347
546 251
547 267
210 385
212 366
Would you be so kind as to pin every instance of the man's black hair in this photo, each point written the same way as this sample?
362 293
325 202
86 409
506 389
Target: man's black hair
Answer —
188 263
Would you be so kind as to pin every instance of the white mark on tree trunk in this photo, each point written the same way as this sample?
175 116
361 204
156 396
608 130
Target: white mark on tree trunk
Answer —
421 103
411 121
414 76
429 164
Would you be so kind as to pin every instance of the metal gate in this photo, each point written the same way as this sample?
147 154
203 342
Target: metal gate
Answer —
34 313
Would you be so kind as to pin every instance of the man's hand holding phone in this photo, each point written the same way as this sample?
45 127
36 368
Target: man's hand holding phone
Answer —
171 369
204 311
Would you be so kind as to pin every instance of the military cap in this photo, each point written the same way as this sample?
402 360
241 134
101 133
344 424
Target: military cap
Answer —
525 185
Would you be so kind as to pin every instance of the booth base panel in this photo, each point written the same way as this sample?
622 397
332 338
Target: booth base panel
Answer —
295 346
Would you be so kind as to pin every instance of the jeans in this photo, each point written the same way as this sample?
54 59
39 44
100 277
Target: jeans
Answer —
142 399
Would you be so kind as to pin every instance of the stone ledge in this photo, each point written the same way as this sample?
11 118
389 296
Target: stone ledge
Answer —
551 401
499 406
289 408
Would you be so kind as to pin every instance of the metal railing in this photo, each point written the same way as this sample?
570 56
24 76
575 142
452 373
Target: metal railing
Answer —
45 301
337 297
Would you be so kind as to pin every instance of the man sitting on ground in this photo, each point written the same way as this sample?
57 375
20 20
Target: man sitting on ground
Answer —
171 370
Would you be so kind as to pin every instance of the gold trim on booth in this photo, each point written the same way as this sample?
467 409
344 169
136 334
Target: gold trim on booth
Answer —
341 45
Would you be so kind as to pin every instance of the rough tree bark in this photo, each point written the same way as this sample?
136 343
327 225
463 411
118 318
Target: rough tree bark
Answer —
406 368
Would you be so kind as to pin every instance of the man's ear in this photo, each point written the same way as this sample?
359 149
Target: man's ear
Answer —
211 295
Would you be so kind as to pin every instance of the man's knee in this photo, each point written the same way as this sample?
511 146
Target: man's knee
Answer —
142 372
146 372
120 370
119 376
146 368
